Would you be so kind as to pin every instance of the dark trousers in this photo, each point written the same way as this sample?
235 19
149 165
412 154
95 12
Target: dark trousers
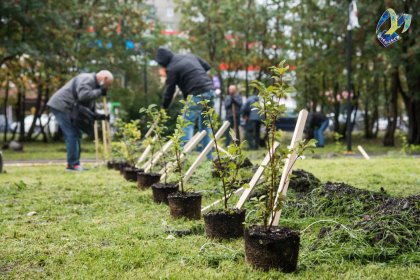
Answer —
72 136
252 133
227 133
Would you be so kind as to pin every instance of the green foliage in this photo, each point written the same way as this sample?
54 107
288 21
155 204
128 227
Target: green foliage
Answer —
129 145
176 137
270 108
406 147
44 43
339 146
228 165
156 120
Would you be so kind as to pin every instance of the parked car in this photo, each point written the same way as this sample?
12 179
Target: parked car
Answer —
45 120
3 123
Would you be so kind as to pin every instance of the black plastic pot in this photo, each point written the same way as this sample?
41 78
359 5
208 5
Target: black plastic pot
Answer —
277 248
130 173
110 164
121 165
146 180
187 205
161 191
221 224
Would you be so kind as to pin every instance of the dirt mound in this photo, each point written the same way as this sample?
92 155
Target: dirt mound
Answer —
386 226
396 222
302 181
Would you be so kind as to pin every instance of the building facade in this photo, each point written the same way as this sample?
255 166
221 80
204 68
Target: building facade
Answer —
166 14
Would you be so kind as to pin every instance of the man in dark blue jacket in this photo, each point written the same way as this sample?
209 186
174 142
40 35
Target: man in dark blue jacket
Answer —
189 73
233 104
253 122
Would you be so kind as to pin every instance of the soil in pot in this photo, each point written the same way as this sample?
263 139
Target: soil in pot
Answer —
145 180
161 191
130 173
277 248
225 224
187 205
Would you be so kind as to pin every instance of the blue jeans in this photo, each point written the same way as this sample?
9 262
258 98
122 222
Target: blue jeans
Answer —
193 115
319 133
72 136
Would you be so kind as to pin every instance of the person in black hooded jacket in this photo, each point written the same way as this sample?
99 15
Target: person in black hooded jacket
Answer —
189 73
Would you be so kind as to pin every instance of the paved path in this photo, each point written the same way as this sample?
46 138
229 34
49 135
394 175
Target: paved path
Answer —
43 162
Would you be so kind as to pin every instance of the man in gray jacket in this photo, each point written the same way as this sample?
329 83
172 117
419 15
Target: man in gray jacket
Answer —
88 87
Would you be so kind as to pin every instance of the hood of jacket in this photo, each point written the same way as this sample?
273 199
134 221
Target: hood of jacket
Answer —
164 56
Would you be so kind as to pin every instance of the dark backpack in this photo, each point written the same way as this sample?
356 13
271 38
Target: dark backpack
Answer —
81 116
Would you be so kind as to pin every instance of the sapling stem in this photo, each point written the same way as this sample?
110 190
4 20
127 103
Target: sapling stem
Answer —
221 174
163 158
178 161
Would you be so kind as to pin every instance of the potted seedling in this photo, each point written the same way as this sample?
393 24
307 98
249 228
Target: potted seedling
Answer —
268 246
155 118
161 190
226 222
182 203
118 159
130 145
118 153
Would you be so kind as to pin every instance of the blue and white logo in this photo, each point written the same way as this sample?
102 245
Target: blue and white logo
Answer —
390 36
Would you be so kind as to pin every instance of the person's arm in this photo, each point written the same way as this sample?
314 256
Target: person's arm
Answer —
246 109
86 91
204 63
169 90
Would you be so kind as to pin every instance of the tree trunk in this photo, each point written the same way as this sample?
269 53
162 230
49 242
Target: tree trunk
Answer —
37 112
21 114
413 112
391 109
336 107
6 121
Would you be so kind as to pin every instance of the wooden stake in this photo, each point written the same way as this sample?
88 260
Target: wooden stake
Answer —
206 150
146 152
187 149
222 150
104 140
149 132
257 176
154 160
288 166
108 126
234 121
95 128
363 152
192 140
237 192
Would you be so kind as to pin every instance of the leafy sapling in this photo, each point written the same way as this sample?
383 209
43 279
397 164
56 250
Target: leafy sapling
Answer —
271 108
156 118
177 141
129 147
228 166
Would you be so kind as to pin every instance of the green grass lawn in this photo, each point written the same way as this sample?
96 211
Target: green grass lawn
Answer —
47 151
96 225
57 150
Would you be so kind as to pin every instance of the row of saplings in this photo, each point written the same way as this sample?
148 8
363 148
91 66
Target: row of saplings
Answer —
266 246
